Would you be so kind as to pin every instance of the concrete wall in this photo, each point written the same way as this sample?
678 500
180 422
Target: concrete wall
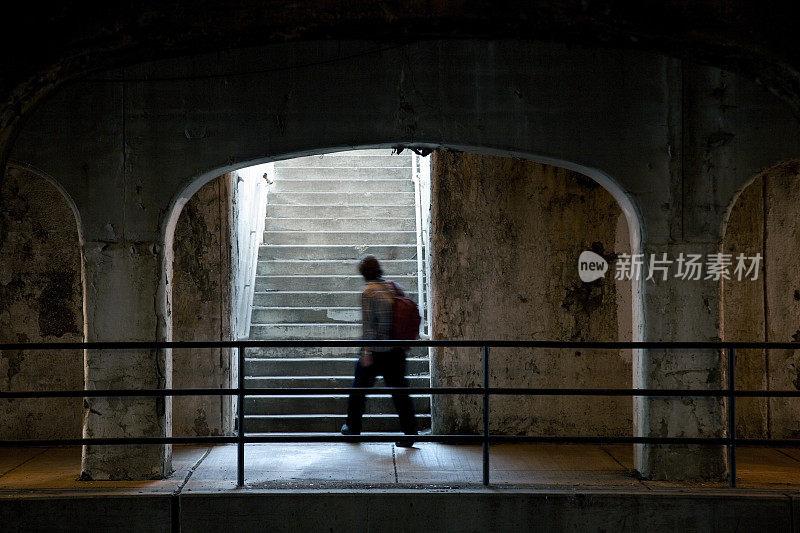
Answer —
506 235
766 219
41 300
201 309
674 142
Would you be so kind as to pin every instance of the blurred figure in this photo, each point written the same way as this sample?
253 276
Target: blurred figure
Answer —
377 304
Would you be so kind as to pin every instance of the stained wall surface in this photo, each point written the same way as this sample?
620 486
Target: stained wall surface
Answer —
202 308
766 219
41 300
506 236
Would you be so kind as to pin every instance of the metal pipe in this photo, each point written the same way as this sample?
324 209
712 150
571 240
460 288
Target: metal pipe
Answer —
420 270
486 415
323 391
454 439
240 423
586 345
486 438
732 416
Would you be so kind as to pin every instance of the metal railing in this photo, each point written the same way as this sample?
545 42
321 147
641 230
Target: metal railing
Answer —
486 391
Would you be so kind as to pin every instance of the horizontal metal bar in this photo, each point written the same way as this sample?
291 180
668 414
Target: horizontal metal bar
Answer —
115 393
766 393
120 441
131 345
459 439
322 391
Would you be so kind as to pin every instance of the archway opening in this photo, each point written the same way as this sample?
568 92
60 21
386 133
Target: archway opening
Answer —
763 305
303 224
506 236
40 301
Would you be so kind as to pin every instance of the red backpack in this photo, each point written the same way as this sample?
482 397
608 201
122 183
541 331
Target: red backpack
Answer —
405 316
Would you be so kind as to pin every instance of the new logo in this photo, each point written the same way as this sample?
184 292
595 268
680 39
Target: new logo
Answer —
591 266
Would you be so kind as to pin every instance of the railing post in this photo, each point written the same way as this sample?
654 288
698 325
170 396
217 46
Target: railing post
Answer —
240 419
732 416
485 415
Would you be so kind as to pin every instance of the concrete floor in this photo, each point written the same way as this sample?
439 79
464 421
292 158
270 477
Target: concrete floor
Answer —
311 466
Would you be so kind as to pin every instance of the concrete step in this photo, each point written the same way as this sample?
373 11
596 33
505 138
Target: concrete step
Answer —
356 160
392 269
423 380
342 198
278 315
346 185
323 214
307 299
325 423
312 298
353 173
296 352
366 212
319 405
336 251
340 237
340 224
322 283
305 331
317 366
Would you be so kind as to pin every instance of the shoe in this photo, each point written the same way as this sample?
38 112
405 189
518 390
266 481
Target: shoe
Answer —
405 443
347 431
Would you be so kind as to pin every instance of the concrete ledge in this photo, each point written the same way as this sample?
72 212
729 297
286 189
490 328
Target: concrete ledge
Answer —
85 512
488 510
403 510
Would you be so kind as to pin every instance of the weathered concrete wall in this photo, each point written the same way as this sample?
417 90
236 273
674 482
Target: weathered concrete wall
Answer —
743 308
40 301
673 141
506 235
202 308
766 219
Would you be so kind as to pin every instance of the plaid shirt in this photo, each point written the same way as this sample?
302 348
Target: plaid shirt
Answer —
377 302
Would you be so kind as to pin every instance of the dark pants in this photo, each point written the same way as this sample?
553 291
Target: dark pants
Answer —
392 366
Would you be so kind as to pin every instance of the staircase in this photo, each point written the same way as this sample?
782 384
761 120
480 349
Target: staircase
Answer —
323 214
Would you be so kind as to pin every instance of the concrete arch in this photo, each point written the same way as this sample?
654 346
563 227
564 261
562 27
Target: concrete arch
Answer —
624 199
30 169
761 219
43 287
786 166
24 167
632 316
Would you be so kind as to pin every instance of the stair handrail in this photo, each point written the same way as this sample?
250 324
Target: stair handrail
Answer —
253 184
421 299
425 195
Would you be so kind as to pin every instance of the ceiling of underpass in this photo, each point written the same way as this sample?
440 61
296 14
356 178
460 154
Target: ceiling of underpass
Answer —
47 44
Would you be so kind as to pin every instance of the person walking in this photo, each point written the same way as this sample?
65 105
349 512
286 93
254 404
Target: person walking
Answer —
377 302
